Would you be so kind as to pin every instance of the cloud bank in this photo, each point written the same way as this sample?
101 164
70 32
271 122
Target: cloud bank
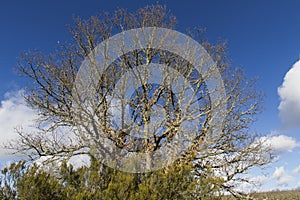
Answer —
281 143
283 179
297 170
13 113
289 93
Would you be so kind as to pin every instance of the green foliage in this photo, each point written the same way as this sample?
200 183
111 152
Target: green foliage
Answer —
35 184
21 181
8 181
174 182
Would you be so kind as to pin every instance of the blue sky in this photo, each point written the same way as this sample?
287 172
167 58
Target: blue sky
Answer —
263 39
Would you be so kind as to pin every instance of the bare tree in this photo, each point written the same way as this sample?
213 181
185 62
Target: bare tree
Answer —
121 109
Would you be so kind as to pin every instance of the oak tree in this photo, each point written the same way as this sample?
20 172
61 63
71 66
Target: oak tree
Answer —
122 110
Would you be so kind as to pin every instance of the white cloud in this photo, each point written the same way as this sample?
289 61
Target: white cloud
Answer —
80 161
245 187
282 177
259 180
281 143
76 161
255 184
279 171
13 113
284 180
297 170
289 92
